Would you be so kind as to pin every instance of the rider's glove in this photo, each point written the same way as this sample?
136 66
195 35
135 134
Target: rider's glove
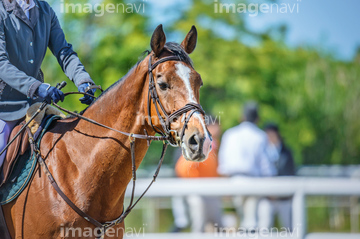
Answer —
49 93
86 99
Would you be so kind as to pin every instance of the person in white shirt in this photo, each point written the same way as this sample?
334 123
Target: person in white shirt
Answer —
243 152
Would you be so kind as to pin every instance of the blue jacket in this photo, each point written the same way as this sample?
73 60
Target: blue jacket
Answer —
23 44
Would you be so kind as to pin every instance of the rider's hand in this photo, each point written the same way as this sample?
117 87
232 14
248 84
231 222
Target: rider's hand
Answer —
49 93
86 99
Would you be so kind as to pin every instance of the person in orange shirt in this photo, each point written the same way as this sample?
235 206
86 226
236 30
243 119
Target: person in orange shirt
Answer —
202 210
206 169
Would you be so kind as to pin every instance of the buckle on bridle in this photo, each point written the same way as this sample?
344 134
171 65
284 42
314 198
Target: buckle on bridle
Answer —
131 138
176 138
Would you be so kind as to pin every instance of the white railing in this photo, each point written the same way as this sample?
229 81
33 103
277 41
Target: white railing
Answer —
297 187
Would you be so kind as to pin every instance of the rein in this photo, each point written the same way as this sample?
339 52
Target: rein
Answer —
168 136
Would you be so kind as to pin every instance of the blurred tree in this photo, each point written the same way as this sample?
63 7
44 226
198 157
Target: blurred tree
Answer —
312 96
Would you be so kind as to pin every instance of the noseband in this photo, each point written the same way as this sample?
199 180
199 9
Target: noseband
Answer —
173 137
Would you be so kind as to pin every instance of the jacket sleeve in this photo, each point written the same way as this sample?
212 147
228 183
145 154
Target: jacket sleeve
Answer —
66 56
11 75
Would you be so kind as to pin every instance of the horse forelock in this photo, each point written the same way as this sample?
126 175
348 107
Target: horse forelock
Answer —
177 50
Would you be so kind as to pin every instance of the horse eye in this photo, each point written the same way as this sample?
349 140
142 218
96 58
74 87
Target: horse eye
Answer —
163 86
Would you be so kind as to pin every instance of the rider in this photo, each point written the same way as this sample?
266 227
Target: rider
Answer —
27 28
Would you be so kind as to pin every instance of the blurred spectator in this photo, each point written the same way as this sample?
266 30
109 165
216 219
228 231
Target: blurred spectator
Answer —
284 162
243 152
202 209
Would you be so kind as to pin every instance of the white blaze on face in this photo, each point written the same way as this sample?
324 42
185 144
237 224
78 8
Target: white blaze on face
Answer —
184 73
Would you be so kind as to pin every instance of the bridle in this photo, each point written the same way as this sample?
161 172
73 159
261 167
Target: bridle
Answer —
168 136
173 137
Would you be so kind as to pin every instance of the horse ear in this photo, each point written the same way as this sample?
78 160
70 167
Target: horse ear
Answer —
158 40
190 40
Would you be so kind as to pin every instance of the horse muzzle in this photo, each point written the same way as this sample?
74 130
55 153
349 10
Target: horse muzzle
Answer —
196 146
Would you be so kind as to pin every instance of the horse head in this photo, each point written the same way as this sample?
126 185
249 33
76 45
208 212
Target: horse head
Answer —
177 86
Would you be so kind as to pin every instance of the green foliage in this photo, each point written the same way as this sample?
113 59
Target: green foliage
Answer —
311 95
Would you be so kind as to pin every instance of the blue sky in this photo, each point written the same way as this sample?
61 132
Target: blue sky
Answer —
333 25
330 25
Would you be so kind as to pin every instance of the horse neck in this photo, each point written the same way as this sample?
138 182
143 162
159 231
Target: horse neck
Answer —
123 105
110 160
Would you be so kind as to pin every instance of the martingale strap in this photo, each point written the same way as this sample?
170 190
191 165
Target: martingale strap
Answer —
101 226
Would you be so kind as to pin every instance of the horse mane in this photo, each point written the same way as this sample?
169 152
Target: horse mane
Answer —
171 47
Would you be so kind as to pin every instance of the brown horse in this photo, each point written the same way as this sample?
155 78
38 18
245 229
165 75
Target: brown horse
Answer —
91 164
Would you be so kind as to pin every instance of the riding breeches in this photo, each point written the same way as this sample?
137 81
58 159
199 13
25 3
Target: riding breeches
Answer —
5 130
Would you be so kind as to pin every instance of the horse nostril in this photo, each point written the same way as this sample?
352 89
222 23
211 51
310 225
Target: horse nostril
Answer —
194 143
193 140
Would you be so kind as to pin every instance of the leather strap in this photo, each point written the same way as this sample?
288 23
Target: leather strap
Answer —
101 226
42 163
139 136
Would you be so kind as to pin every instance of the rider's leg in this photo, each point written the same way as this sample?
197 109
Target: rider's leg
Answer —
5 130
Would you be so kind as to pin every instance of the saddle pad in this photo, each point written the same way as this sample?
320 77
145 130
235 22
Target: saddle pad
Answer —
18 179
23 170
